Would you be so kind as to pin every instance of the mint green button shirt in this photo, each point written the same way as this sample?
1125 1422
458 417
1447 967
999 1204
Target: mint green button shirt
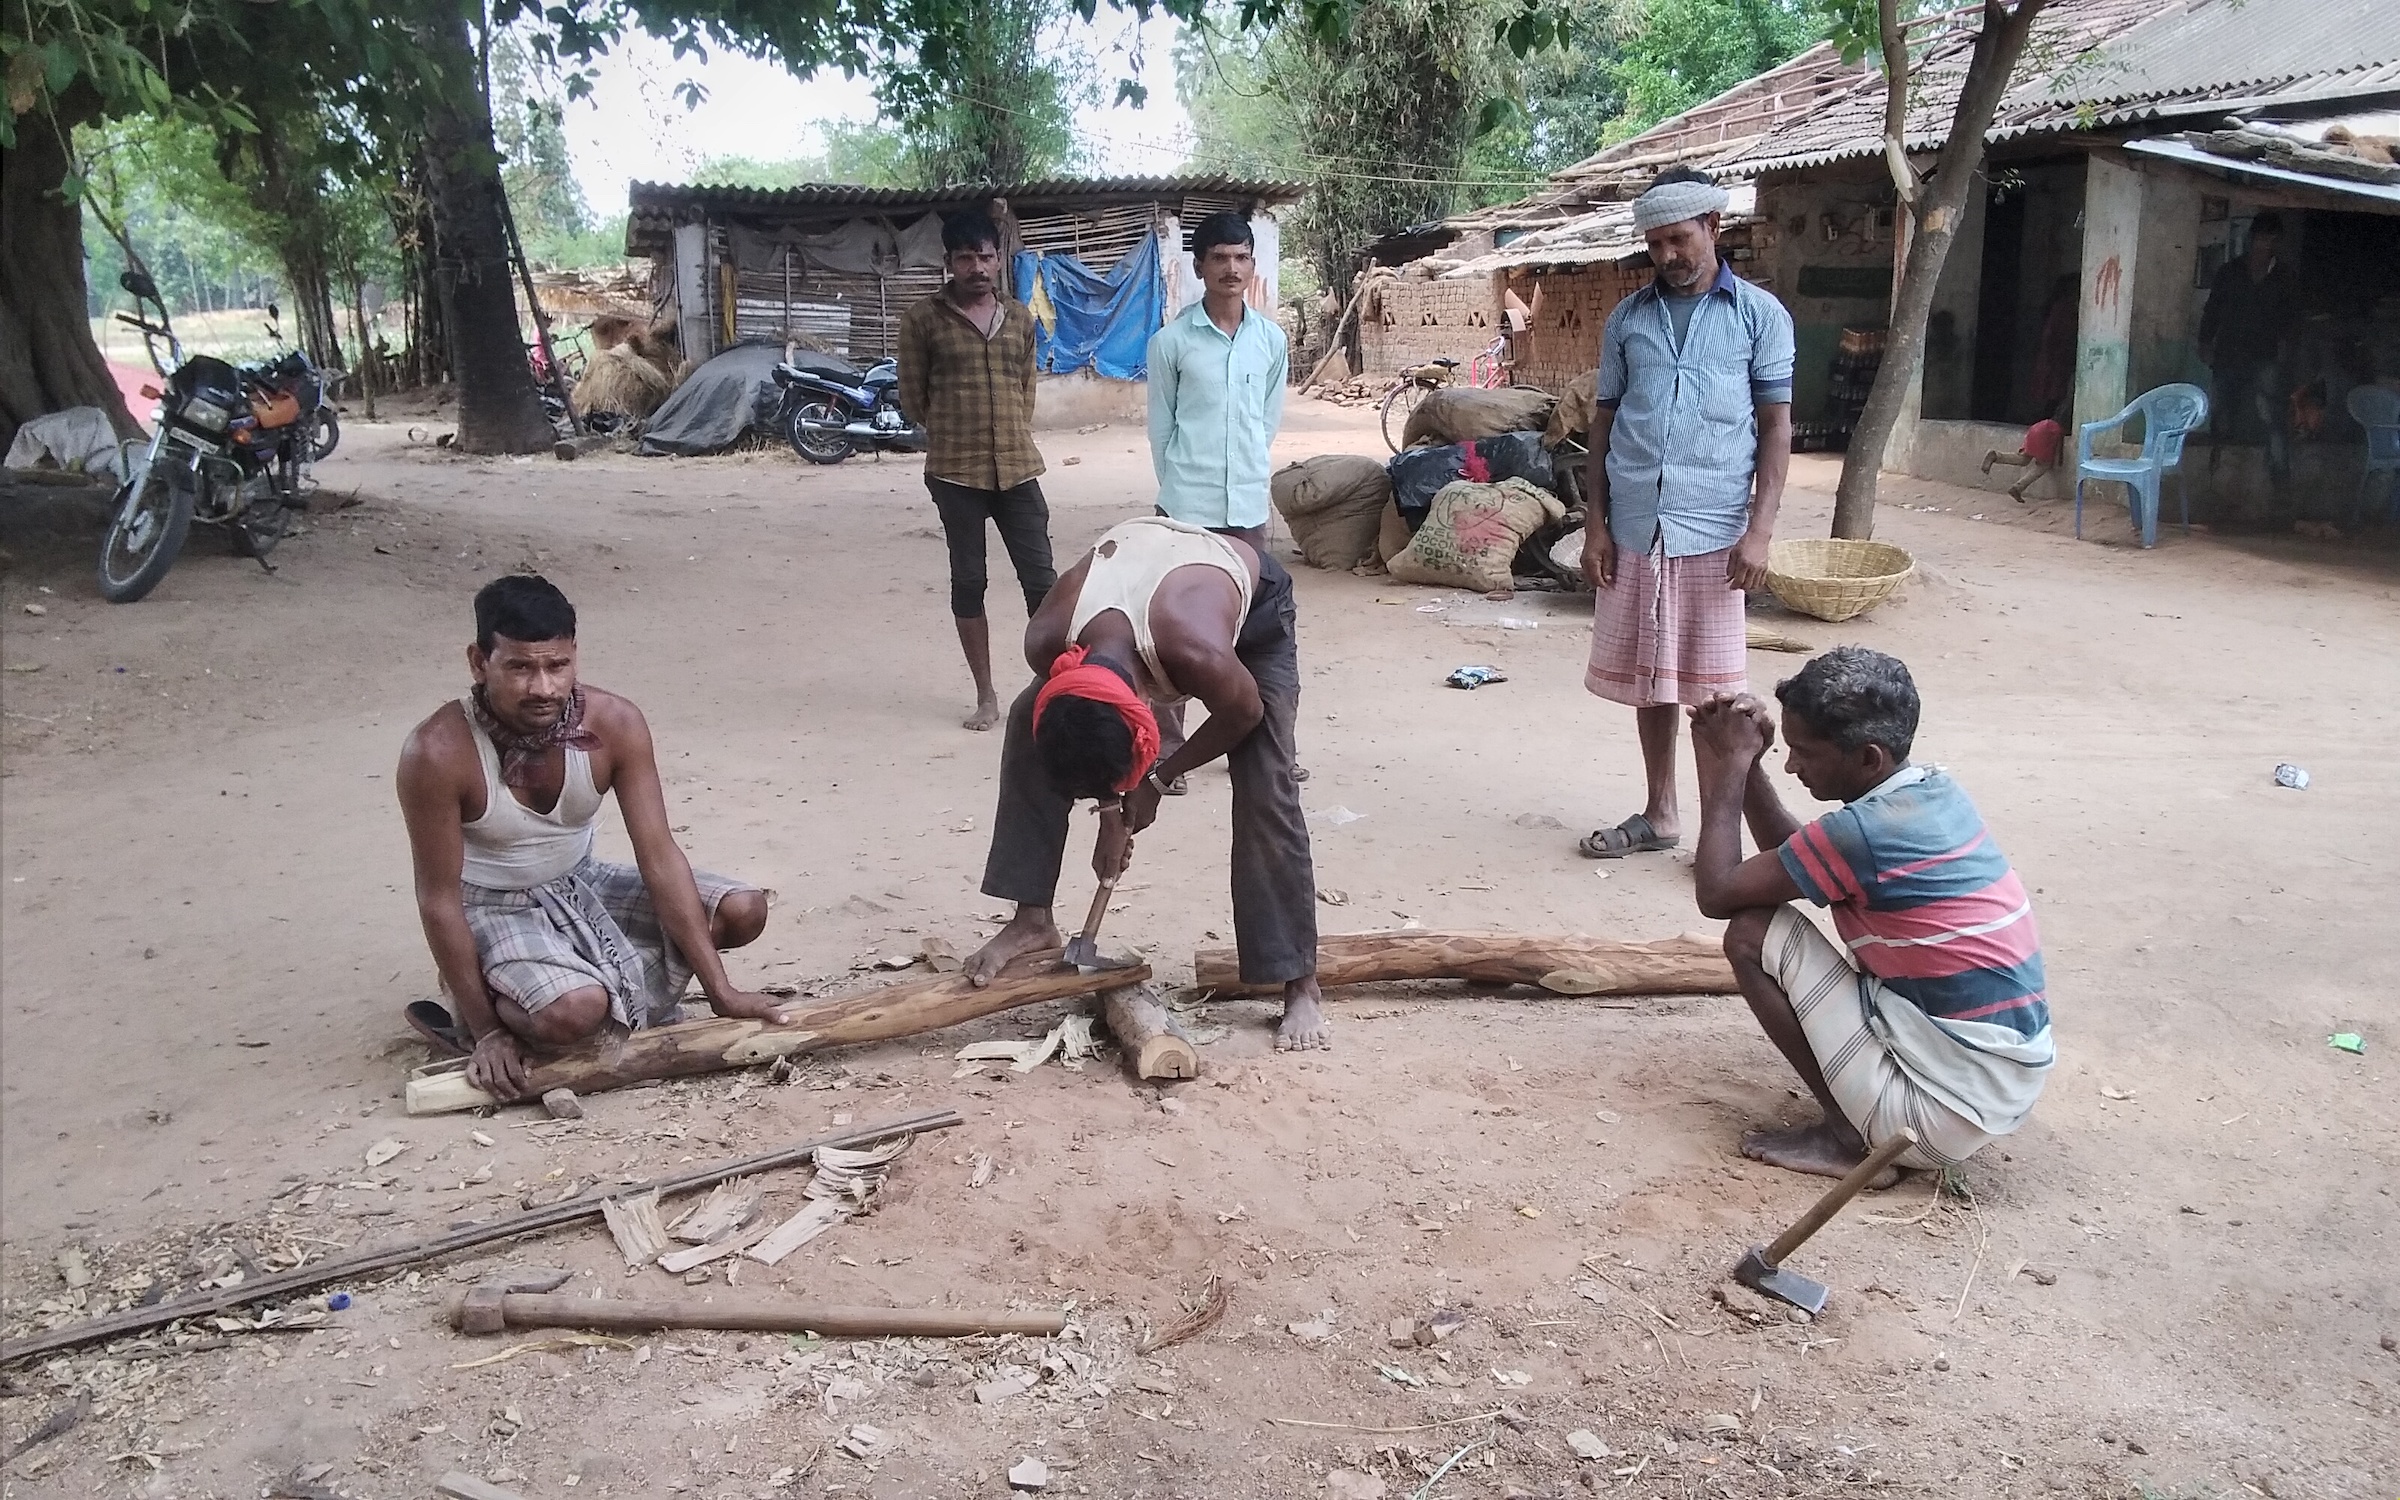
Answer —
1215 403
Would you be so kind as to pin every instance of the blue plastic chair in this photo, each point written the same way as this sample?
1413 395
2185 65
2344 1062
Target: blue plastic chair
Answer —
2169 415
2377 409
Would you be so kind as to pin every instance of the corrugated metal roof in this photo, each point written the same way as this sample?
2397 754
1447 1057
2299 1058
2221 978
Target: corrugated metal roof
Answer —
2384 196
654 208
2099 63
2215 45
1605 233
1063 190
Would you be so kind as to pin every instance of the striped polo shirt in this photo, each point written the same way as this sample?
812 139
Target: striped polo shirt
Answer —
1926 902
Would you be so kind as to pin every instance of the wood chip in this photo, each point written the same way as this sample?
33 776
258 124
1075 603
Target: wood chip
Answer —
458 1485
983 1170
634 1223
727 1208
384 1150
681 1261
820 1215
563 1105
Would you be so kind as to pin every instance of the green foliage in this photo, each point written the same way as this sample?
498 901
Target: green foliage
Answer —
1686 51
157 180
1564 98
1377 123
528 108
1001 105
866 154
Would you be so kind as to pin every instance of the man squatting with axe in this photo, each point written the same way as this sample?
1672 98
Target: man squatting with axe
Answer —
1159 611
1930 1013
539 944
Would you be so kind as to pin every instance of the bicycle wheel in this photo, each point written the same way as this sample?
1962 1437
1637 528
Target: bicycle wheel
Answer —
1398 403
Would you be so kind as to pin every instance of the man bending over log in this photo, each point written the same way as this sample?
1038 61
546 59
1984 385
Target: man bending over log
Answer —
1930 1013
539 944
1160 611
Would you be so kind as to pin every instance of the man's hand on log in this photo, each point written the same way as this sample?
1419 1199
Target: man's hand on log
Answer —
497 1065
748 1005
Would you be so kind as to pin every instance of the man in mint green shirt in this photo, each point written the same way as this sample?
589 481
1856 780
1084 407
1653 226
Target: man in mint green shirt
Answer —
1217 374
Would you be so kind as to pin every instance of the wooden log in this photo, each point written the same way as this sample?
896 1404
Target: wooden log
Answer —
722 1042
410 1252
756 1315
1564 965
1152 1042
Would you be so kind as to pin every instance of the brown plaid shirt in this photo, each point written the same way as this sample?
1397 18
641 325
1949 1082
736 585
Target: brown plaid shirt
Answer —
974 395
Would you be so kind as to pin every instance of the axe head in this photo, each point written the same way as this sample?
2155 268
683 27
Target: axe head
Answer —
1781 1284
1083 953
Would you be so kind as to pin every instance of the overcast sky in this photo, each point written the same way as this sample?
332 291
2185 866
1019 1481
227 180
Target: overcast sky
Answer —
635 129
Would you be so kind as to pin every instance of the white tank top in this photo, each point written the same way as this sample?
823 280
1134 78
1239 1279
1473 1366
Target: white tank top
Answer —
512 847
1125 577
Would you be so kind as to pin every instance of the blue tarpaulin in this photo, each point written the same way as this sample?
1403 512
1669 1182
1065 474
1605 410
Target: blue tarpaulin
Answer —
1090 321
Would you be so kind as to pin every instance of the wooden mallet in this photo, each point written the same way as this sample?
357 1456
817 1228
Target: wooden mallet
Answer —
1762 1270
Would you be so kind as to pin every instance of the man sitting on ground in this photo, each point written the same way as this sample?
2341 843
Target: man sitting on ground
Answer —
1159 611
539 944
1934 1018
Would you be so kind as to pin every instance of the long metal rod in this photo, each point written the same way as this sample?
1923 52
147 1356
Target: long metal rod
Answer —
365 1262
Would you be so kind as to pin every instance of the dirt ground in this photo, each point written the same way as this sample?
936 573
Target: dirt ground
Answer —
2176 1281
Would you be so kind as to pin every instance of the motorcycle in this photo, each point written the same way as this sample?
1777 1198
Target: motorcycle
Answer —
228 446
315 391
827 418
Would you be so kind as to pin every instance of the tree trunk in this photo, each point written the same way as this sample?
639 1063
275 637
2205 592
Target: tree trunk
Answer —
48 360
1997 47
498 409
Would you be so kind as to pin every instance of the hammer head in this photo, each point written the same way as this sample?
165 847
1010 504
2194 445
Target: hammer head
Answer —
1778 1283
481 1308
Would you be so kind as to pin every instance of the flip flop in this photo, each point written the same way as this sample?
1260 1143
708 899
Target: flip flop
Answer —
1633 836
436 1025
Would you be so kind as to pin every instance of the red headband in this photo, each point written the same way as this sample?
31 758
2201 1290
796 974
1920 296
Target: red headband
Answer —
1072 677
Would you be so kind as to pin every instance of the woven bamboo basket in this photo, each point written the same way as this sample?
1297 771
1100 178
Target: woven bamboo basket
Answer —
1833 578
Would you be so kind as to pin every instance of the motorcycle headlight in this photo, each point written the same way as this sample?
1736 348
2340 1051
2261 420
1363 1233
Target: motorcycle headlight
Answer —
206 415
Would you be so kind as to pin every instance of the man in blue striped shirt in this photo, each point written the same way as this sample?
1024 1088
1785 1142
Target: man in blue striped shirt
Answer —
1689 448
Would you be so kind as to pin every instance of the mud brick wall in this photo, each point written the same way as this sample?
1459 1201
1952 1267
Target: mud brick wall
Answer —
1414 321
1569 308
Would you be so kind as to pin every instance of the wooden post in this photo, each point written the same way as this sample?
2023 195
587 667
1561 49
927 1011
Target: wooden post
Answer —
756 1315
1151 1040
720 1042
1563 965
1339 324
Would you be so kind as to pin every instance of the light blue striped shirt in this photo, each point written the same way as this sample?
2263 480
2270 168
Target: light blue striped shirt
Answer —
1684 448
1215 403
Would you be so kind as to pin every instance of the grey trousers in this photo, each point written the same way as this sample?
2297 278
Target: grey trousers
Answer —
1274 879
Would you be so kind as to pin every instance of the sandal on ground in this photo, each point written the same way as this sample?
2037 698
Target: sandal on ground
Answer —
1178 786
1633 836
429 1020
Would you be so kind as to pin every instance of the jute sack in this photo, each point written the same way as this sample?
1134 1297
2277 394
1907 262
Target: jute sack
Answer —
1334 504
1472 535
1463 413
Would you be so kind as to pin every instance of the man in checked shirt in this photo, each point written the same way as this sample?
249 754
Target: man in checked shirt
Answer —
967 374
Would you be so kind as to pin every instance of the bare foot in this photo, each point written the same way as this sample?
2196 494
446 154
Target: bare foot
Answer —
1304 1027
1029 931
986 714
1825 1149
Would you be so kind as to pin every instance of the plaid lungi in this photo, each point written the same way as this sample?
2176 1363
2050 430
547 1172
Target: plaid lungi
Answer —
1670 630
593 925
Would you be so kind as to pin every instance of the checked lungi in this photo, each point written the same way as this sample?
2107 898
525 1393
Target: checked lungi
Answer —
1669 630
594 925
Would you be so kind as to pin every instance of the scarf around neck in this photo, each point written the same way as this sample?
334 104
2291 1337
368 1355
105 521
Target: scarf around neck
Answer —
521 754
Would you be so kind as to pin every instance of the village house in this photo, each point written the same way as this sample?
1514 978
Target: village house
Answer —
2131 158
837 264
